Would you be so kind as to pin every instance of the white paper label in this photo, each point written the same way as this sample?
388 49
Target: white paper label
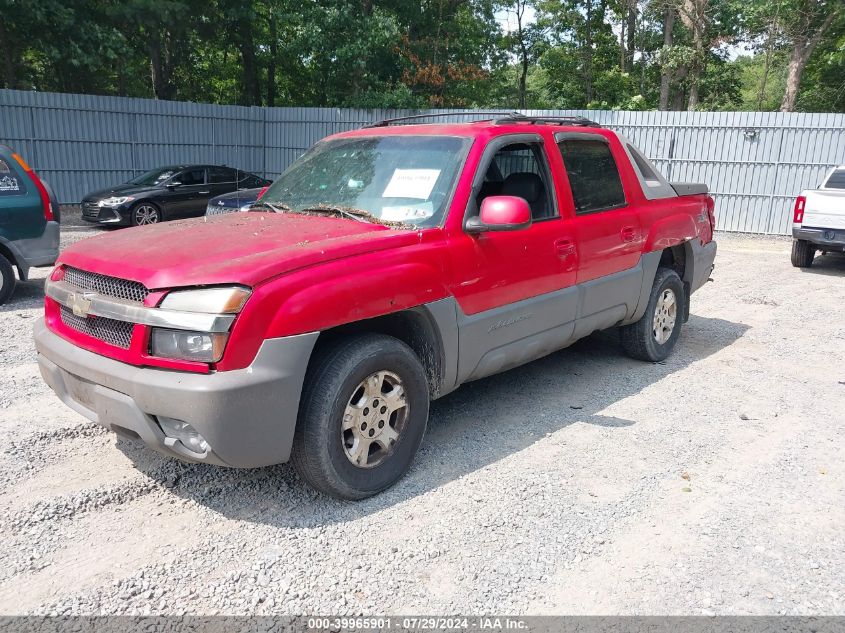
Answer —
411 183
408 213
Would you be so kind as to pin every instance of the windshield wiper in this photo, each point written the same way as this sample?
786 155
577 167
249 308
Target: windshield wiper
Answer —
348 212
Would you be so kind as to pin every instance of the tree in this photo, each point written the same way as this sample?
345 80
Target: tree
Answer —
808 22
523 41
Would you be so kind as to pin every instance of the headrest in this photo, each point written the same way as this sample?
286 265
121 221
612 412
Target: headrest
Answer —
523 185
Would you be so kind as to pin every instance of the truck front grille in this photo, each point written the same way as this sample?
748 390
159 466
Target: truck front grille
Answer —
105 285
117 333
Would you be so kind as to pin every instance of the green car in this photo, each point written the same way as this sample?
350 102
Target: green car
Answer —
29 222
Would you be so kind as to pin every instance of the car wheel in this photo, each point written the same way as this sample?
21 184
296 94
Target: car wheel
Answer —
7 279
803 253
145 213
362 417
653 337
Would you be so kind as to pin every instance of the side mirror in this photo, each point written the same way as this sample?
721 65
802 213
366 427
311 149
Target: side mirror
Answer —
501 213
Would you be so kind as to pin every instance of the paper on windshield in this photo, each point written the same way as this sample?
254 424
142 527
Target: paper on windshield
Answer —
408 212
411 183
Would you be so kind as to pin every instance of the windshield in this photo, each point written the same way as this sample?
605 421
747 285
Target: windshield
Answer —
404 179
153 177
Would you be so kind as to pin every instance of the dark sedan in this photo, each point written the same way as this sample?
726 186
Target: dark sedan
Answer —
233 202
165 193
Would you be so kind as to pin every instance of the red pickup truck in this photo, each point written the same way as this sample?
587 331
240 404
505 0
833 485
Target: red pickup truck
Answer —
386 267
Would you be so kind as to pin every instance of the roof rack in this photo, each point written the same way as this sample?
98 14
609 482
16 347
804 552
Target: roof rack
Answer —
414 117
516 117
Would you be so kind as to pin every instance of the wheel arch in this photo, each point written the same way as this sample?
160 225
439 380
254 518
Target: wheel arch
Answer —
10 253
428 330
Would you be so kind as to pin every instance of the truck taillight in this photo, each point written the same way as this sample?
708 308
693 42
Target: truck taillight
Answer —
798 212
46 204
711 212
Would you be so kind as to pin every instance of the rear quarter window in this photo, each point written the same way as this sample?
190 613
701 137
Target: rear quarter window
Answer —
11 183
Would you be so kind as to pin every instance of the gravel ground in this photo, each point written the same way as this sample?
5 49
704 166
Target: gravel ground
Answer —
583 483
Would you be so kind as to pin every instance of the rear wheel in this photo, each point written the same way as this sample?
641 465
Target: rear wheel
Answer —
7 279
653 337
362 417
145 213
803 253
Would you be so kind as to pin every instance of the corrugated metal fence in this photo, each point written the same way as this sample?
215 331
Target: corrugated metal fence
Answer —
755 162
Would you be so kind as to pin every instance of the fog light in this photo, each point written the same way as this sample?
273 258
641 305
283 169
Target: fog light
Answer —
184 432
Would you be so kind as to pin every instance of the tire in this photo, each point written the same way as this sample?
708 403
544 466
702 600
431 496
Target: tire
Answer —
148 211
643 340
7 279
803 253
332 448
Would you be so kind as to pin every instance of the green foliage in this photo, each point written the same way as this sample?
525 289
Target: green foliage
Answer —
419 53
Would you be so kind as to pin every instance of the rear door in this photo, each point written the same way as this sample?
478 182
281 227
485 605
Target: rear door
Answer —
222 180
606 226
607 230
190 196
21 211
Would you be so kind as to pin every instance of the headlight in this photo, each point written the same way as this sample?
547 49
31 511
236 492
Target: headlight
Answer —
228 300
114 201
184 345
205 347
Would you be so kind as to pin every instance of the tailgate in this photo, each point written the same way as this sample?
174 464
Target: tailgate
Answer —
825 210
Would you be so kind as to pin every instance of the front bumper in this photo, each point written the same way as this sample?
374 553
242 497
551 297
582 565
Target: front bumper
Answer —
823 239
247 416
113 216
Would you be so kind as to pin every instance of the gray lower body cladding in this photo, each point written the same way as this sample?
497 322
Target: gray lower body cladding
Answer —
506 337
37 251
823 239
247 416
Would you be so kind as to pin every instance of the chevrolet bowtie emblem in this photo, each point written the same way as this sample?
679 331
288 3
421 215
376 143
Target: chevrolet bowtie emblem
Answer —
80 303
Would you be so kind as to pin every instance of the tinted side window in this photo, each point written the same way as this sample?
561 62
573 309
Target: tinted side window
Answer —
593 175
191 177
221 174
836 180
520 170
11 184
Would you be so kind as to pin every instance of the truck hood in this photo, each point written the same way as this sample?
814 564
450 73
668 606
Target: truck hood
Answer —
242 248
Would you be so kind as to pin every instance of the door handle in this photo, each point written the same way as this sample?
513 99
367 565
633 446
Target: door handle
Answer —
203 192
565 247
628 234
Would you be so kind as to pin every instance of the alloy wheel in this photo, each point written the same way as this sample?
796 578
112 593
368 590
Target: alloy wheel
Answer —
146 214
665 314
374 419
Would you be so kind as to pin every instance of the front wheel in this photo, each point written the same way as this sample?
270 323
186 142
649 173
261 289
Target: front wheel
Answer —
653 337
803 253
145 213
362 417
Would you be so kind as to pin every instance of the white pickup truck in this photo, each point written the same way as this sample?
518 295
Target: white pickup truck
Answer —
818 221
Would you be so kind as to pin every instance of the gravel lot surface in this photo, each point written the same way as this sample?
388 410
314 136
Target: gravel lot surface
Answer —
582 483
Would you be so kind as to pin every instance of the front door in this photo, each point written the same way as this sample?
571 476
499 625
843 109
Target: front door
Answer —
514 288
